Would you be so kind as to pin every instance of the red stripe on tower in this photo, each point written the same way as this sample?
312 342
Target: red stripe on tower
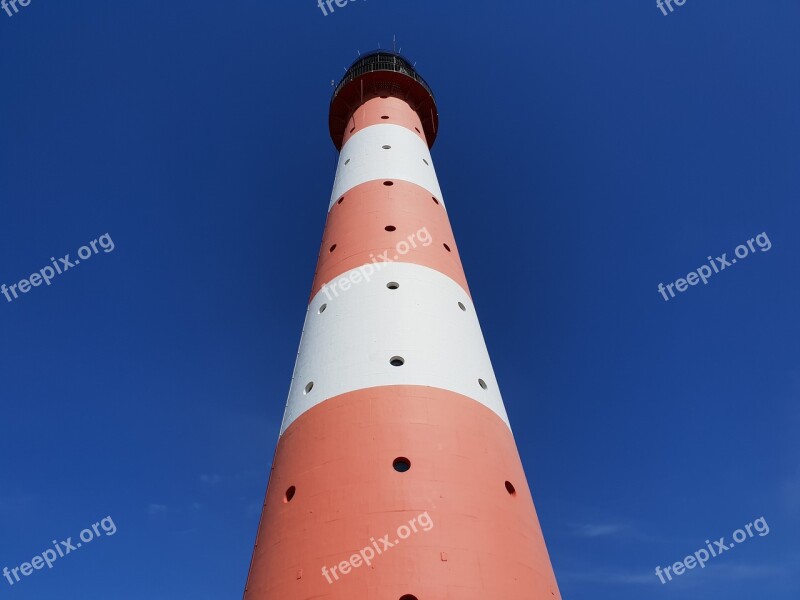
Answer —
394 412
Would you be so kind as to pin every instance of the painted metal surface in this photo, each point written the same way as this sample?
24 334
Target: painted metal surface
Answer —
393 371
484 542
364 158
374 223
384 111
349 345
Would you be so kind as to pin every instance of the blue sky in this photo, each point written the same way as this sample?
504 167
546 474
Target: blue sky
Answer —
588 151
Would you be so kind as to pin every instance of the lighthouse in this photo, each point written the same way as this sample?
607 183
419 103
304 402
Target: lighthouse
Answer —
396 475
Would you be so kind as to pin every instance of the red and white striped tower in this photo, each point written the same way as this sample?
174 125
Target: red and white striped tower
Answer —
394 410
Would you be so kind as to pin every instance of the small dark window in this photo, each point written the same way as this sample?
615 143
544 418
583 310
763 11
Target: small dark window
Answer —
401 464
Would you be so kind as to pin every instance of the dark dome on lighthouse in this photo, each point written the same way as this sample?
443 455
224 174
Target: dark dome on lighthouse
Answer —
381 73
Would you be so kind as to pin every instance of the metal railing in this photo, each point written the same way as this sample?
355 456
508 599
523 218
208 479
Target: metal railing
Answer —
380 62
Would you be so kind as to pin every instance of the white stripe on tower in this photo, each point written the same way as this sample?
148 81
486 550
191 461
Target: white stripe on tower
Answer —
348 344
364 158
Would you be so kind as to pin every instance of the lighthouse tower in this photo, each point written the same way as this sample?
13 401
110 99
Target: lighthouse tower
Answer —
396 475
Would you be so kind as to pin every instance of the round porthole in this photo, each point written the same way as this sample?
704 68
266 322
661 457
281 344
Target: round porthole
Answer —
397 361
510 488
401 464
287 497
392 285
482 383
309 387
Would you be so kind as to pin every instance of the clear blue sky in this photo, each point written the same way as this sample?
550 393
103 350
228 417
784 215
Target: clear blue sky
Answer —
588 151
